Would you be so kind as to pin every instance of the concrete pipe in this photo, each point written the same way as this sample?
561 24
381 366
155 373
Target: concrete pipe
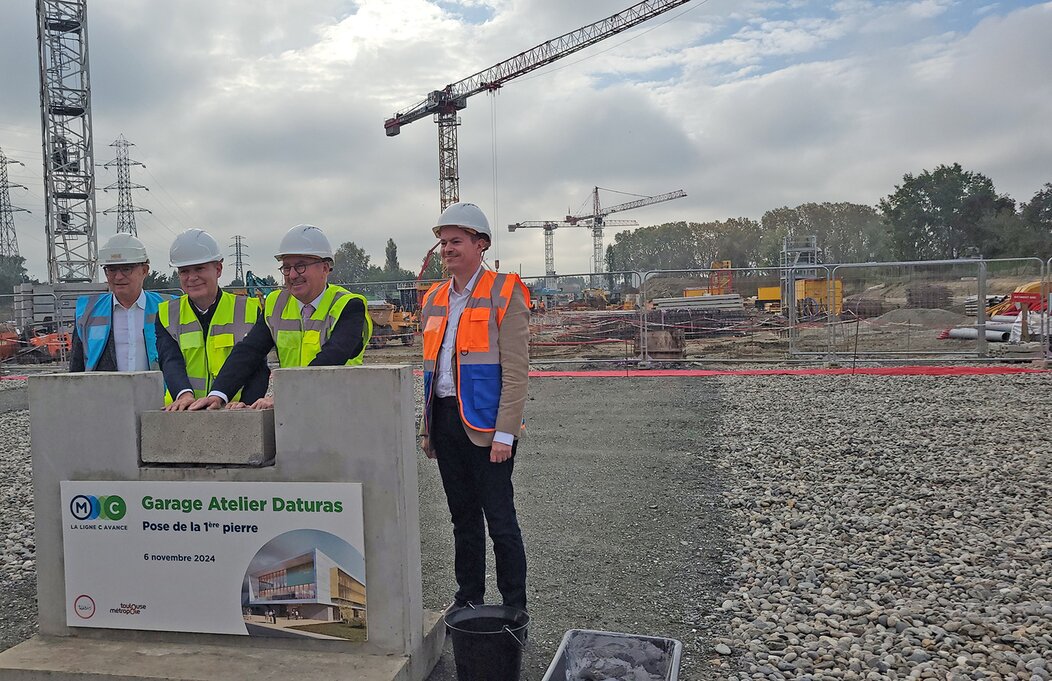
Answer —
972 334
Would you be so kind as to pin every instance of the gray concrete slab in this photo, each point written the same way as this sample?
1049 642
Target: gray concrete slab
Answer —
59 658
185 437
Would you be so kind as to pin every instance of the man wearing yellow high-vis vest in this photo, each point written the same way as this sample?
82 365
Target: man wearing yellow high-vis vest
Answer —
197 332
310 321
476 362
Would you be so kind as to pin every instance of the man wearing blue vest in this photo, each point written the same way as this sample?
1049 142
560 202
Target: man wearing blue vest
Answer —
115 331
476 329
310 322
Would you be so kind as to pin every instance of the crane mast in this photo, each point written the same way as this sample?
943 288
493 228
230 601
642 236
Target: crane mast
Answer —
549 227
598 215
445 103
69 164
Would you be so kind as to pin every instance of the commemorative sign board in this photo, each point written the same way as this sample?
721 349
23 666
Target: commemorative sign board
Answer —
246 558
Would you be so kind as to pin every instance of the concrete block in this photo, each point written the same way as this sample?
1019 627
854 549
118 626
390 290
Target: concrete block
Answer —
46 658
332 424
242 437
358 424
82 427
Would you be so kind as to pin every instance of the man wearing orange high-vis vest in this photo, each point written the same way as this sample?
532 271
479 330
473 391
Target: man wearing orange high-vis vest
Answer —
476 362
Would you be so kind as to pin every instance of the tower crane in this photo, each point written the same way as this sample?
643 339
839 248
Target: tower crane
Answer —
445 103
549 227
596 219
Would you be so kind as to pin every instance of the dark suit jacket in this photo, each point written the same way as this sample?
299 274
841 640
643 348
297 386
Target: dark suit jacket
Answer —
173 364
344 342
108 361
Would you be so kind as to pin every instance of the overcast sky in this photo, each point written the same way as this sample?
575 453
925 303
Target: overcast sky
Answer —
252 117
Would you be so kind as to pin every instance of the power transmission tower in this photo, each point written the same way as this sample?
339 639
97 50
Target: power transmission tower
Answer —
8 238
69 167
124 209
240 257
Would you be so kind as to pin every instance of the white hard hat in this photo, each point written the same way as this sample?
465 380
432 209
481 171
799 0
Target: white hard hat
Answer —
122 249
194 247
466 216
304 240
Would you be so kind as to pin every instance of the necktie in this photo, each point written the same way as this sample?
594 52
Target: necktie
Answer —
308 310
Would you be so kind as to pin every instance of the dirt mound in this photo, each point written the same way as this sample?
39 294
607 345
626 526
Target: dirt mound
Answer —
927 318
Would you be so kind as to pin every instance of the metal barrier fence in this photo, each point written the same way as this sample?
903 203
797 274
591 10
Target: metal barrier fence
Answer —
877 311
718 311
924 308
584 318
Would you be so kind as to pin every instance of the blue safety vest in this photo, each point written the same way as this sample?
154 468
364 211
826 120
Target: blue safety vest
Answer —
95 319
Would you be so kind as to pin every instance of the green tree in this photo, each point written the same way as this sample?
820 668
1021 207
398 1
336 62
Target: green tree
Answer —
1034 236
352 264
846 232
12 273
945 213
391 261
157 281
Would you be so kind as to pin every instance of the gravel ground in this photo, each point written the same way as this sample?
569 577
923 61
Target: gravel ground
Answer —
827 527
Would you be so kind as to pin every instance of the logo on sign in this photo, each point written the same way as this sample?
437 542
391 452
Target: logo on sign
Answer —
88 507
84 606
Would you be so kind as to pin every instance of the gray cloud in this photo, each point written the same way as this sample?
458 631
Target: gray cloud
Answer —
253 117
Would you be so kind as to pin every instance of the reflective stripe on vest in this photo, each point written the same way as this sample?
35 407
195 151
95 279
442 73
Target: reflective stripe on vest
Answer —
95 319
477 355
204 357
298 341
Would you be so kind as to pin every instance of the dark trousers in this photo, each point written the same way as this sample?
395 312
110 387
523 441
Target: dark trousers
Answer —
479 494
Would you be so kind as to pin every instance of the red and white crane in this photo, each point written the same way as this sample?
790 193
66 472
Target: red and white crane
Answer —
445 103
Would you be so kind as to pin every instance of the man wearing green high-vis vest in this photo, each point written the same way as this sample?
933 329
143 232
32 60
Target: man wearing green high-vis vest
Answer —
197 332
310 322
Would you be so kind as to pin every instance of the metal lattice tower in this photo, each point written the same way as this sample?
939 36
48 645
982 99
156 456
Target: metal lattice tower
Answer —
8 238
124 209
240 257
69 167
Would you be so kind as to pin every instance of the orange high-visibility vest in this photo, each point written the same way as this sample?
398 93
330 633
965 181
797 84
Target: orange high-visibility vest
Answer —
476 360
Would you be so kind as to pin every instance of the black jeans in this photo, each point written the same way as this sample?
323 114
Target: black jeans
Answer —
478 490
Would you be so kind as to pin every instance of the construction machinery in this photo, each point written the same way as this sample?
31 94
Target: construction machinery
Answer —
445 103
390 323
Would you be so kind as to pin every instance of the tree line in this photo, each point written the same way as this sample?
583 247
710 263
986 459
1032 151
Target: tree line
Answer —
946 213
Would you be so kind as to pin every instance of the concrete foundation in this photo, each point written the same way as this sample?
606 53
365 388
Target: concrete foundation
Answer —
185 437
338 424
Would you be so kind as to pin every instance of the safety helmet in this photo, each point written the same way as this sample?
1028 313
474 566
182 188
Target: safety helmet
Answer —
304 240
467 216
122 249
194 247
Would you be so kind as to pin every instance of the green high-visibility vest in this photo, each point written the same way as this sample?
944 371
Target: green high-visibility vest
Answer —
299 340
203 353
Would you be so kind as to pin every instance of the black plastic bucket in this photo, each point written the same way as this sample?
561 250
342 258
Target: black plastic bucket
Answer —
488 642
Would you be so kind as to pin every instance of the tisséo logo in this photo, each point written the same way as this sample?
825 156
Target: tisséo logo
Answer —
88 507
84 606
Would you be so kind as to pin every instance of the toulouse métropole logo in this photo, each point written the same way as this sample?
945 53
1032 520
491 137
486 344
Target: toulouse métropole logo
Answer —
88 507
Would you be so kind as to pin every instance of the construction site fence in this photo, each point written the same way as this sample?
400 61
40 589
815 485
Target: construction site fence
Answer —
912 309
876 311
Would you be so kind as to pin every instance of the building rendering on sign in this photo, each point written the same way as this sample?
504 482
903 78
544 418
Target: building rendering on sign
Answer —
312 584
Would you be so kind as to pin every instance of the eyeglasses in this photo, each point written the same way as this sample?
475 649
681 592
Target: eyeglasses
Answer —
111 270
299 267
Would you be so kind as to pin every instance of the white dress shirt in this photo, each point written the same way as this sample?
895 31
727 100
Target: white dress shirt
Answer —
128 338
445 384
